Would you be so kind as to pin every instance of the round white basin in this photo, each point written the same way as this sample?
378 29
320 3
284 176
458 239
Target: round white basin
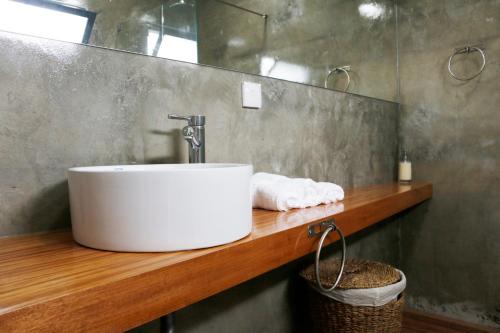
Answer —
155 208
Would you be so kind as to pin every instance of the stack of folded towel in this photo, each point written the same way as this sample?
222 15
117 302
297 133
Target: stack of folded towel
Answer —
275 192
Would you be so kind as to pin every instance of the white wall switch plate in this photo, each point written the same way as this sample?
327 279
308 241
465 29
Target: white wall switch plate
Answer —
251 94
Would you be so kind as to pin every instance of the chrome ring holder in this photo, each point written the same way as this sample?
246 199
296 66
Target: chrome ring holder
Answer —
328 226
339 70
467 50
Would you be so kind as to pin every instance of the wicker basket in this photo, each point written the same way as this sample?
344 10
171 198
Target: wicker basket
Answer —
329 315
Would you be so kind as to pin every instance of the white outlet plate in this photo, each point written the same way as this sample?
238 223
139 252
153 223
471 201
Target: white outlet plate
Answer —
251 94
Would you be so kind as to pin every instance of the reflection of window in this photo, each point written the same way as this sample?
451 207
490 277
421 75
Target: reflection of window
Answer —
274 67
47 19
172 47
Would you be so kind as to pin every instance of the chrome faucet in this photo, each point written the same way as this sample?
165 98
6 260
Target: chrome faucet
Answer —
194 133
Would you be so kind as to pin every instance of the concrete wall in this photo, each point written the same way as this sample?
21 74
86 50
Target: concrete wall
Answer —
450 247
63 105
301 39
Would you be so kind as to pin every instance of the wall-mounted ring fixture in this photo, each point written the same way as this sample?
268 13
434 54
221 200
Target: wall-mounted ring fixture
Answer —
340 70
467 50
323 229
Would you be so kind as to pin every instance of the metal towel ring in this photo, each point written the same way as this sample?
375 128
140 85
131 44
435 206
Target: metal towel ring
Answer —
343 69
467 49
332 227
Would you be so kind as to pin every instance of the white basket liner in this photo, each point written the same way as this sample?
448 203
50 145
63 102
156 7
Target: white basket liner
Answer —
367 297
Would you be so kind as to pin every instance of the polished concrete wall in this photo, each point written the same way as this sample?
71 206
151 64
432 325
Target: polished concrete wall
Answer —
450 246
64 105
301 39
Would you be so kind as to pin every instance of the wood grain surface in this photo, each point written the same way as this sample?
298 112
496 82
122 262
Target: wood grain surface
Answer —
422 322
48 283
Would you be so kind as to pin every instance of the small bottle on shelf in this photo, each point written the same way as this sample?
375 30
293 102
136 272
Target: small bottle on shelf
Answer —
405 168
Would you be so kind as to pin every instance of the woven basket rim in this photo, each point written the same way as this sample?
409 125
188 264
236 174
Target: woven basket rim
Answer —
358 274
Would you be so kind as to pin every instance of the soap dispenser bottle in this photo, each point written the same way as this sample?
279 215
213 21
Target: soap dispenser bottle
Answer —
405 168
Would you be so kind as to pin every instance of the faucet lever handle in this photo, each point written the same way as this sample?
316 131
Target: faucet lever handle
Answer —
177 117
192 120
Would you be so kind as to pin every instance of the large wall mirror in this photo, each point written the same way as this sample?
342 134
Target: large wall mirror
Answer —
345 45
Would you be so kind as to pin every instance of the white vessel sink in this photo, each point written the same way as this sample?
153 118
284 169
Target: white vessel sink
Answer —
154 208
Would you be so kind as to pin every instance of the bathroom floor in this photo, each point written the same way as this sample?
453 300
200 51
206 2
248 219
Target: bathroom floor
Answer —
417 322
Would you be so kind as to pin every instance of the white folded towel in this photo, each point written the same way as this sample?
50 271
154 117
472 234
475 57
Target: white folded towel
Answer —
275 192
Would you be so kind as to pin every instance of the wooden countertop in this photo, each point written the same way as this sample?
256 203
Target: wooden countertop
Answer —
48 283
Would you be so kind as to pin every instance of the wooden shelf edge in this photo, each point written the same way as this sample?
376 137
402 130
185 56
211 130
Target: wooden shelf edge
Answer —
157 284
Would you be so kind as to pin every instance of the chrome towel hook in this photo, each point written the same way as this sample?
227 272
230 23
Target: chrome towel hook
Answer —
467 50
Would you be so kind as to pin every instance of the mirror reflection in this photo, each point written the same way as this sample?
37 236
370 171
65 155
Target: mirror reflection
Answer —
346 45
